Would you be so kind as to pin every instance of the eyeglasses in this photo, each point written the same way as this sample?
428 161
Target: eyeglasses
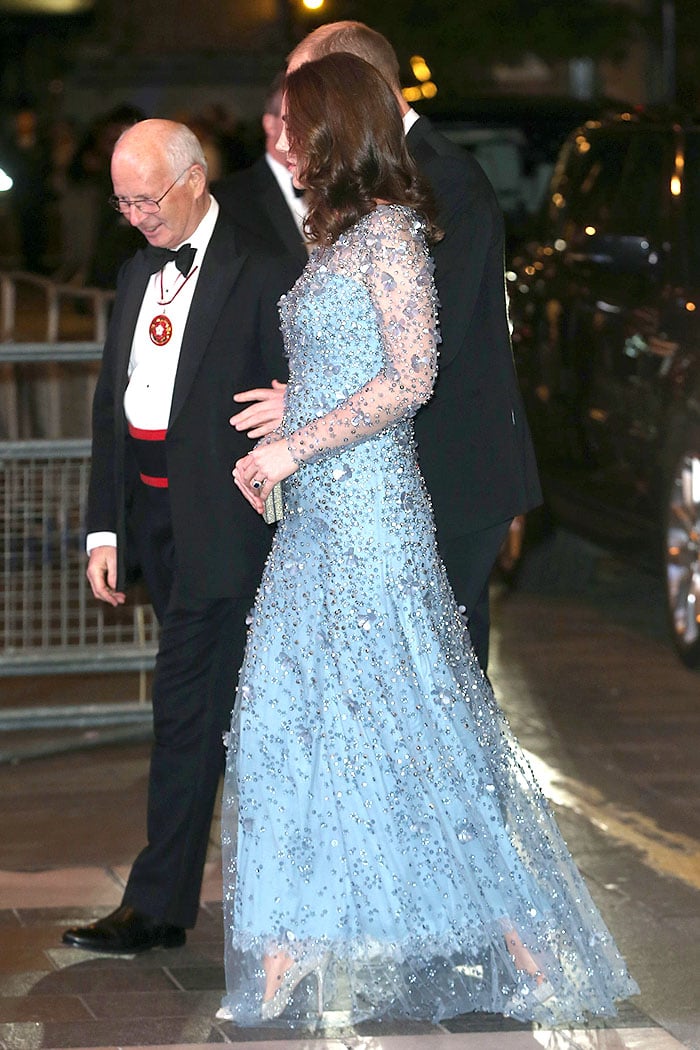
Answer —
145 205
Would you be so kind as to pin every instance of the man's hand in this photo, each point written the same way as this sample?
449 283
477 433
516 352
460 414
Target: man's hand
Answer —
264 414
102 575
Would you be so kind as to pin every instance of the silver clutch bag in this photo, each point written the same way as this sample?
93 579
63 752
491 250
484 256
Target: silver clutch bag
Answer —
274 507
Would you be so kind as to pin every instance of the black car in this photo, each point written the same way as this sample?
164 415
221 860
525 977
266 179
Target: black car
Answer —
516 141
605 305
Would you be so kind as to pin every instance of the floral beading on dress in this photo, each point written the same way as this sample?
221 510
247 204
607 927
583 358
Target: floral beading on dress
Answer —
381 826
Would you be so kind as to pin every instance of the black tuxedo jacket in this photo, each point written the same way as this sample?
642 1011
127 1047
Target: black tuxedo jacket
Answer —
474 443
254 202
231 342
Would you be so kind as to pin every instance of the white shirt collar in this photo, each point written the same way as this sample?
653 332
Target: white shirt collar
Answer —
283 176
202 235
409 118
296 205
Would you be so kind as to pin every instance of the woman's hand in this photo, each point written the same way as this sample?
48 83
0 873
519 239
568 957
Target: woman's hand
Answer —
257 473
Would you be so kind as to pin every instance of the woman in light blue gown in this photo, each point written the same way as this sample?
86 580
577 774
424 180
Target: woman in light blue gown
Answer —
387 851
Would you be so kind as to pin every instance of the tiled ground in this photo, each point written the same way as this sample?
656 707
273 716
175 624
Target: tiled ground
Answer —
55 997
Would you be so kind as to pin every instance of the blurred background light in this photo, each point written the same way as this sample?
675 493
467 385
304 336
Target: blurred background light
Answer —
419 68
46 7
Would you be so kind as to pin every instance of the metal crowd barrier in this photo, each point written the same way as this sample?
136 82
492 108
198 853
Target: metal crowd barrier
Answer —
50 620
54 294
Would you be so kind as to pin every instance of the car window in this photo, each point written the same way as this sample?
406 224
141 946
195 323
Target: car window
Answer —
612 180
642 200
501 153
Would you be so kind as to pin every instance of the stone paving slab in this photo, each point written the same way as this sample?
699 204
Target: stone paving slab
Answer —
52 996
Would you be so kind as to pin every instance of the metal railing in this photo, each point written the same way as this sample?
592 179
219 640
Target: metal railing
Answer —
55 294
50 620
46 387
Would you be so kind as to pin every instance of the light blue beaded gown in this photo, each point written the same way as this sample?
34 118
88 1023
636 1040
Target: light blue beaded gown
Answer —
381 825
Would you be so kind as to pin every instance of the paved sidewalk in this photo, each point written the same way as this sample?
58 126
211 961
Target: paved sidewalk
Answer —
53 996
87 805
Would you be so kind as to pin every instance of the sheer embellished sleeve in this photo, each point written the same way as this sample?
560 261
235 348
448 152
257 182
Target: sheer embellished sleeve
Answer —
392 263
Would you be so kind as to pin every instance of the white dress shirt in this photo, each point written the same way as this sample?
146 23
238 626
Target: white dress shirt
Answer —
284 180
409 118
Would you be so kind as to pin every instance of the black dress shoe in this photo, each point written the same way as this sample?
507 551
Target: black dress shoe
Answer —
124 932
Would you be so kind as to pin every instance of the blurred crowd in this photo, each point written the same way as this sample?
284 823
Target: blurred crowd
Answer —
60 224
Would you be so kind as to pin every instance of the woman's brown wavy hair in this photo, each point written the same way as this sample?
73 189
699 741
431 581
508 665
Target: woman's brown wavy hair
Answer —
344 125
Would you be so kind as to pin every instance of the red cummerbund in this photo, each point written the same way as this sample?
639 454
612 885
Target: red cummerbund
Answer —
149 449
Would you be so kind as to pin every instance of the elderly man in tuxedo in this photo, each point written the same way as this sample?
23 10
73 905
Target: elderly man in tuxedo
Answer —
474 443
194 320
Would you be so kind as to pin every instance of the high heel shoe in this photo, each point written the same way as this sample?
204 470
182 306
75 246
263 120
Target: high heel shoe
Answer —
538 990
290 979
535 988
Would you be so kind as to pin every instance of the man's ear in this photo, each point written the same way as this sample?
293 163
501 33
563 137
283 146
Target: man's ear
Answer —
198 179
272 126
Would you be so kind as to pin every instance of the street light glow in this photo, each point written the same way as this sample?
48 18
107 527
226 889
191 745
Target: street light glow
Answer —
425 88
45 7
420 68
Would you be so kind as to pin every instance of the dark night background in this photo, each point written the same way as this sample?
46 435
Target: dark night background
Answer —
69 79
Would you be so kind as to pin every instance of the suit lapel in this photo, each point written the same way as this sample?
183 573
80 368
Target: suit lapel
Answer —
273 202
138 279
220 270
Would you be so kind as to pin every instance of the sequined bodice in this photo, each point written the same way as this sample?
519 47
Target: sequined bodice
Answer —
361 334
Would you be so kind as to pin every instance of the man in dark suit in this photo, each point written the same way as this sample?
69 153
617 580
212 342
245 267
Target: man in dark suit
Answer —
194 320
474 443
261 200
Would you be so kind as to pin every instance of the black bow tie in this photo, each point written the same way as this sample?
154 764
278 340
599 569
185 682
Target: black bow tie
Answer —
183 258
